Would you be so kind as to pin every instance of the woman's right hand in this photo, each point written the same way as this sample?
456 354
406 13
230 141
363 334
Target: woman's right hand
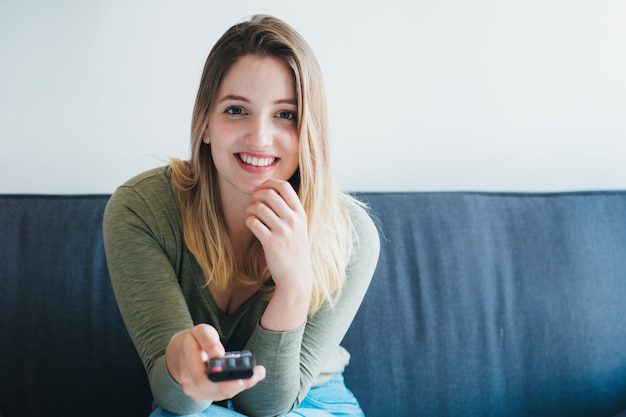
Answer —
186 356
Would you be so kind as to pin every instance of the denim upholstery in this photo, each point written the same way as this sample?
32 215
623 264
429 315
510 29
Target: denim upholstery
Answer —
482 304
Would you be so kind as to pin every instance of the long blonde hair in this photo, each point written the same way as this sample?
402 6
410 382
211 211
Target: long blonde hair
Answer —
195 180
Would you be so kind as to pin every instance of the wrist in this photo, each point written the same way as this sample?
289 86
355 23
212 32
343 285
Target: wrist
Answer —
170 362
288 309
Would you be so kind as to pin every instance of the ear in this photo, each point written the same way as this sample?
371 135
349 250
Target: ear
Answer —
205 135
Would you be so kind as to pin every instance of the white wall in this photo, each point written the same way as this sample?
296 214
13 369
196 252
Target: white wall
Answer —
424 95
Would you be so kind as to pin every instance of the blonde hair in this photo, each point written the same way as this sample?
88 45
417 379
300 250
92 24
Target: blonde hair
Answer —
195 180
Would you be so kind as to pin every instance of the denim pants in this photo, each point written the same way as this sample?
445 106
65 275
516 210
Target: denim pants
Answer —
331 399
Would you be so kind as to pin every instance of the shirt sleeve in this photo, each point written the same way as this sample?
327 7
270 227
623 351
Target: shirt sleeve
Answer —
294 359
139 232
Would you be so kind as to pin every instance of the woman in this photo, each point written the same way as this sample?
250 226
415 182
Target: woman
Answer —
247 245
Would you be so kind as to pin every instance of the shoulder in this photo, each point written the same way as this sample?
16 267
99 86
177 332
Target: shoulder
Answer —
154 179
149 184
365 235
148 193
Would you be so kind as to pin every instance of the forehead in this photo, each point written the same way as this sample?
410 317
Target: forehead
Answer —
257 77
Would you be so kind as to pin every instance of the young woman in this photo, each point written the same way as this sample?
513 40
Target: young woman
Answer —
248 245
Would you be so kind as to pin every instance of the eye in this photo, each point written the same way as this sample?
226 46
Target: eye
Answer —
235 111
287 115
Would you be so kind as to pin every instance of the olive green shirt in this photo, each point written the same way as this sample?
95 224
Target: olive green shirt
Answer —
160 290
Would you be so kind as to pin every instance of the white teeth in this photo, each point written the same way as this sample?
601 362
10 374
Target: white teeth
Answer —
257 162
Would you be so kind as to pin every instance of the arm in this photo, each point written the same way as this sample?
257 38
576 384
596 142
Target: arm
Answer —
136 238
277 219
144 254
295 358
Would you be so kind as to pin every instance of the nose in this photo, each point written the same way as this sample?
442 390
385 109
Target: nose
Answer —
260 134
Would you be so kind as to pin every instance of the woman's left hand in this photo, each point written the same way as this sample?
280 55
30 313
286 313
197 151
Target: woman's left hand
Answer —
278 220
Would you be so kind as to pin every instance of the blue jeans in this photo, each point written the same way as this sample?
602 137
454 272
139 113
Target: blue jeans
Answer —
331 399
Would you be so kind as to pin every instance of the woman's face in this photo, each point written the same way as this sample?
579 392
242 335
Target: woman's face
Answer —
252 126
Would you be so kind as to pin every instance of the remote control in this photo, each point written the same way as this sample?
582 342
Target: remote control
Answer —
233 365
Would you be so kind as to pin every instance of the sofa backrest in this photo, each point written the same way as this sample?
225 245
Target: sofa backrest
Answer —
481 305
64 350
494 305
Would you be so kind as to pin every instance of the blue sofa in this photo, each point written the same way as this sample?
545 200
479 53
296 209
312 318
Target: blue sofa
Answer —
482 304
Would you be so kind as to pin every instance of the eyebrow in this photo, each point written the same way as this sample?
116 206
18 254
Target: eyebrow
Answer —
245 100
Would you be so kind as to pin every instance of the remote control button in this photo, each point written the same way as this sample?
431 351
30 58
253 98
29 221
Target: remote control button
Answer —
216 369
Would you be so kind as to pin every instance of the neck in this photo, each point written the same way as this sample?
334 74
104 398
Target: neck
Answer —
240 236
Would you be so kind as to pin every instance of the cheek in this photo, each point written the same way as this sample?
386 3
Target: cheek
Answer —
292 145
294 153
215 134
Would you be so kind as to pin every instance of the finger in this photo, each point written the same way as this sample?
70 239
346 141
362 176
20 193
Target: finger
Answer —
268 216
270 199
228 389
259 375
258 228
271 208
282 189
208 340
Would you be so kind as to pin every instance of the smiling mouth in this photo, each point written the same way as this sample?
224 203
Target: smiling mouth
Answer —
255 161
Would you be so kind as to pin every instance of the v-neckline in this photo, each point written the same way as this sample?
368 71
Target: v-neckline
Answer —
227 311
203 287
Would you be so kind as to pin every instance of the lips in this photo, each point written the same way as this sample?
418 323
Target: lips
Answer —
256 161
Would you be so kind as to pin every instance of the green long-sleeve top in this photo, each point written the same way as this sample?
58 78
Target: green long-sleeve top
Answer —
160 290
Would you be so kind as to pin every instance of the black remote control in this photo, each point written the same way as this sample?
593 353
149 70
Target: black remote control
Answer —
233 365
